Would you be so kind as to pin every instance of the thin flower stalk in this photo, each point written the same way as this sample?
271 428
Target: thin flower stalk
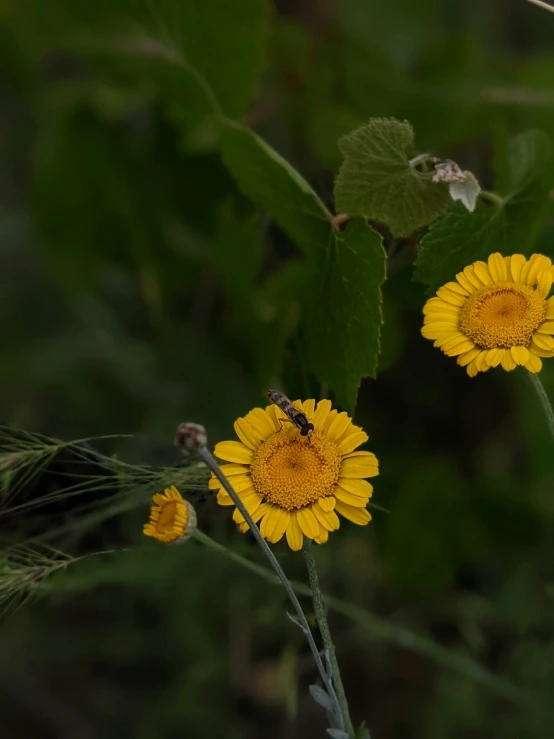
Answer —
325 632
544 400
302 622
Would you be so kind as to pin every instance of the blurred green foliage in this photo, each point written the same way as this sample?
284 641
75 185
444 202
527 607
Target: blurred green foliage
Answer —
166 254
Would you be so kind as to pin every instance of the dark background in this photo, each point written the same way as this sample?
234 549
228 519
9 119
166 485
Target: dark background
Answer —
124 312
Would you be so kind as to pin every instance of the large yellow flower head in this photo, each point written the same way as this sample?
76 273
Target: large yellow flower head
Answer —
295 485
496 313
172 519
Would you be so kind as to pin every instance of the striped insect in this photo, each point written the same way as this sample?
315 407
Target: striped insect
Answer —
295 416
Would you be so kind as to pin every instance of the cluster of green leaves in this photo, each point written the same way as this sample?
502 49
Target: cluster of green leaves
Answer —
154 53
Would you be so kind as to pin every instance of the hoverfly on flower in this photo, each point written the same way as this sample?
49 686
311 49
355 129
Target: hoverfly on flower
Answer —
294 415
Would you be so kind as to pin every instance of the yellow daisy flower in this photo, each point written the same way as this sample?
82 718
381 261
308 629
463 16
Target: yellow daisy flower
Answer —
293 484
496 313
172 519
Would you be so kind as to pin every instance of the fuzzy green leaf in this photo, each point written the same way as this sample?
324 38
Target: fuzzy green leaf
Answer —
511 227
270 181
342 328
377 181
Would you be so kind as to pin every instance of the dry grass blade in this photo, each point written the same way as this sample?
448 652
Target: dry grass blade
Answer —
541 4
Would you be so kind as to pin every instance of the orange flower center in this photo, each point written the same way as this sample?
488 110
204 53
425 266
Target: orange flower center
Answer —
502 316
291 471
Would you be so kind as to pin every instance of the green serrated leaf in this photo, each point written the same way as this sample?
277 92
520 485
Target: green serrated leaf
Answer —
342 327
271 182
377 181
511 227
342 298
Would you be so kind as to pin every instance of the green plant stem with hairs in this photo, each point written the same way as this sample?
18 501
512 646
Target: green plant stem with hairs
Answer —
544 399
302 622
325 632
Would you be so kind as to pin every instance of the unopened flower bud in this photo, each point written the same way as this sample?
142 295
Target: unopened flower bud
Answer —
190 438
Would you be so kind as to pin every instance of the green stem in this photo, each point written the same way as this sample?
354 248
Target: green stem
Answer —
211 463
545 402
328 645
419 159
493 197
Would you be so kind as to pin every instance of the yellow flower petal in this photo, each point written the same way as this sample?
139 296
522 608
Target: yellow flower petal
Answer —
269 522
450 296
361 488
330 419
546 354
481 362
321 413
230 470
358 467
544 342
282 522
246 434
508 362
223 498
360 516
339 426
537 263
368 455
327 504
252 502
465 282
238 483
261 422
307 522
276 416
460 348
550 308
456 288
520 354
308 406
348 498
534 364
517 262
547 327
497 268
483 272
323 537
544 283
436 330
327 519
257 513
494 357
233 451
457 338
436 305
472 369
351 441
294 534
468 357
